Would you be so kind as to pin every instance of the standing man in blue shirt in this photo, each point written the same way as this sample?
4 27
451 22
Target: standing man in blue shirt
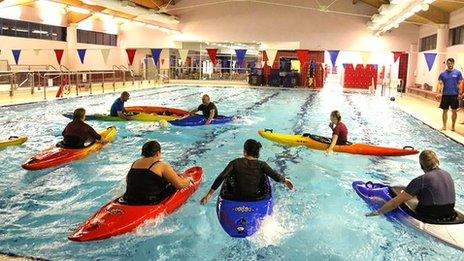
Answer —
117 109
449 88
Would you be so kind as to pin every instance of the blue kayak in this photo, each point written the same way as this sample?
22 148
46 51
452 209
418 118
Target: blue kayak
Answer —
196 120
242 218
450 231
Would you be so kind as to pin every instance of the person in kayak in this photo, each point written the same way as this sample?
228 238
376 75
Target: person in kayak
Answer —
150 180
77 133
339 131
208 109
117 109
434 190
245 179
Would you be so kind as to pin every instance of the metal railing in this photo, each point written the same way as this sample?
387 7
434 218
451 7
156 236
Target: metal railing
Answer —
214 73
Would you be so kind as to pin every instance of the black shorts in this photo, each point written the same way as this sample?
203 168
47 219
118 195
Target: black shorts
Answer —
448 101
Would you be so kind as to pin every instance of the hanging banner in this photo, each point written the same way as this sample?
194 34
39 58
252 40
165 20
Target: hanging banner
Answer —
59 55
36 52
430 59
183 55
16 54
271 55
365 56
81 53
303 57
155 53
212 53
105 54
240 56
396 56
333 56
131 55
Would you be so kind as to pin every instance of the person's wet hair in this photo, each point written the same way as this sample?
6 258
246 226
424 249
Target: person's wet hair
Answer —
337 115
79 113
150 148
252 148
428 160
450 60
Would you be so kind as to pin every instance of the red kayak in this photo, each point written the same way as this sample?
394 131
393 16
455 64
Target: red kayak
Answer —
56 156
115 218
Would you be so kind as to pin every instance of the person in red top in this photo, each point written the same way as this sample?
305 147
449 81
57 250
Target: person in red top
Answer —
77 133
339 131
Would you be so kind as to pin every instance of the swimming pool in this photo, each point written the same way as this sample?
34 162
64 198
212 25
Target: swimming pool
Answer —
323 219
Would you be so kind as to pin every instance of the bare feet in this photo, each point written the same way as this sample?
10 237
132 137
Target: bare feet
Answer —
443 129
453 129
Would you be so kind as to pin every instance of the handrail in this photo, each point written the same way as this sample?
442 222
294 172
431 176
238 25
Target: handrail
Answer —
65 68
116 67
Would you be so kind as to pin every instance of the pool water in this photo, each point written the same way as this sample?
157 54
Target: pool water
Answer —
323 219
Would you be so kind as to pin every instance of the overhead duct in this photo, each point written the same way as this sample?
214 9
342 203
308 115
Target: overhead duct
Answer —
132 9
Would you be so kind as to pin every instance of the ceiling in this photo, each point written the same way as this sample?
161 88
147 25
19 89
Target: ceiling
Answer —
438 12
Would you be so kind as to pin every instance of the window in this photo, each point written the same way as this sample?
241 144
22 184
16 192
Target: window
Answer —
32 30
428 43
90 37
456 35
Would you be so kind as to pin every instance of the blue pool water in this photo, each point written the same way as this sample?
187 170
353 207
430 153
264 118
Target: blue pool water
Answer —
323 219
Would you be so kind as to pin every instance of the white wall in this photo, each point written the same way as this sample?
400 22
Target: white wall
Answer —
251 21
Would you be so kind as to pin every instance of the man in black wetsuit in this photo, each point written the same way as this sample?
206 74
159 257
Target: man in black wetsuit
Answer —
245 179
208 109
434 190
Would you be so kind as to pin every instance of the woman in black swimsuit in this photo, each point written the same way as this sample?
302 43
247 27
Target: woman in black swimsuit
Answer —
150 180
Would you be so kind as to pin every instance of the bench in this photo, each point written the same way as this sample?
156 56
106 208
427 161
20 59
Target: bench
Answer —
431 95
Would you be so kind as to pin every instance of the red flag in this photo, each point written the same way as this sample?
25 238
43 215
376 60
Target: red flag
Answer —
265 58
303 57
212 52
396 55
131 55
59 55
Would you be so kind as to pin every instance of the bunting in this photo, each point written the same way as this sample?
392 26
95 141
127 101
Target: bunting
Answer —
16 54
430 59
303 57
155 53
105 54
212 53
240 56
131 55
333 56
183 55
396 56
271 55
81 53
59 55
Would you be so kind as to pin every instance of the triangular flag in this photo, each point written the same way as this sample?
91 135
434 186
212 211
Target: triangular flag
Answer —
105 53
183 55
155 53
396 56
36 52
162 61
333 56
430 59
16 54
240 56
365 56
271 55
302 57
81 53
131 55
212 52
59 55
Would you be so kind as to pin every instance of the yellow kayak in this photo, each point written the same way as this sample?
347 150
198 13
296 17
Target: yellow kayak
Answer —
13 140
322 143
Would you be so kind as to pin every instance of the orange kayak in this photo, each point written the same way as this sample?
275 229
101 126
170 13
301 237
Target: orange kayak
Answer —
56 156
322 143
